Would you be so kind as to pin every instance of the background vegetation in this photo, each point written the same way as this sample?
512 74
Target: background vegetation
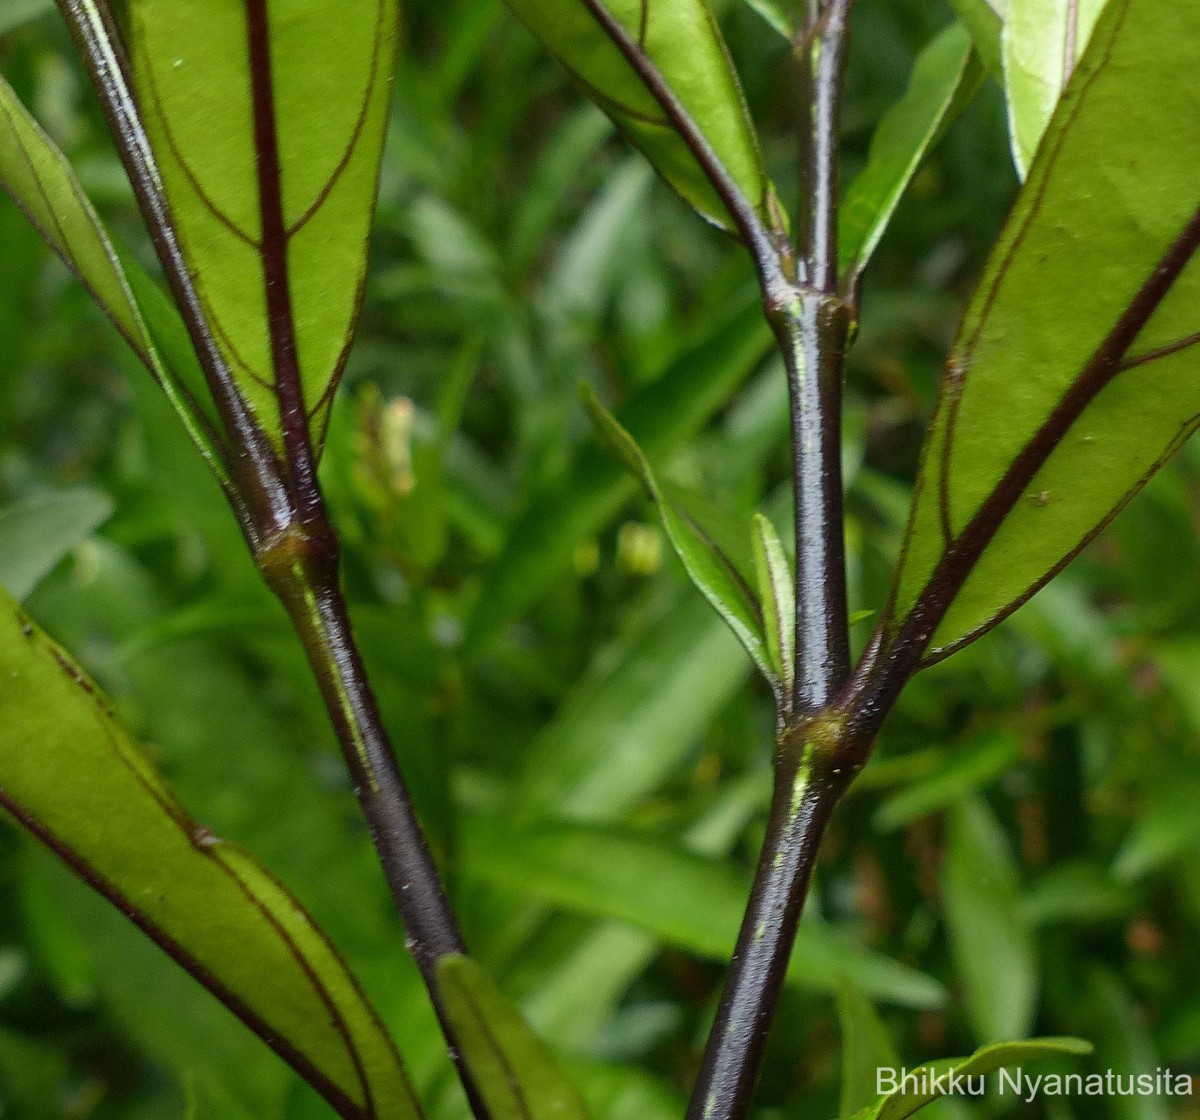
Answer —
586 743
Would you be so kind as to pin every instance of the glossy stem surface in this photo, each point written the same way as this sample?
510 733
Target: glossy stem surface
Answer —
305 575
812 335
805 794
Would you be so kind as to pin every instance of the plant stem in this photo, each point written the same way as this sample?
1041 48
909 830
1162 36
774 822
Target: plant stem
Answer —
812 322
806 789
812 335
303 570
280 506
259 493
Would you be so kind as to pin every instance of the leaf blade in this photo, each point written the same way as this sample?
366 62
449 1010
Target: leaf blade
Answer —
42 183
1040 45
944 79
1001 508
682 38
75 780
901 1104
706 565
268 124
777 593
516 1074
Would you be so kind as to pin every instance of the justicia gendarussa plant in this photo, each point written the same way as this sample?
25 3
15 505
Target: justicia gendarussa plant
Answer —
252 134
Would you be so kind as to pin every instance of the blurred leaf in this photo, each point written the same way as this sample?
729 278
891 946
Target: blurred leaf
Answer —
660 417
1088 409
990 942
1122 1043
957 774
43 184
628 1093
866 1048
16 13
984 19
683 40
80 785
945 78
1037 64
713 573
516 1074
629 724
777 594
778 14
1076 892
1167 826
902 1103
280 201
37 533
638 879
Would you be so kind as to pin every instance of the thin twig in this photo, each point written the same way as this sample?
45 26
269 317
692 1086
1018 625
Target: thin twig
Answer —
826 127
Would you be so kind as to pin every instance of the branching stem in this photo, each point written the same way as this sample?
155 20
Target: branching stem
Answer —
279 502
813 323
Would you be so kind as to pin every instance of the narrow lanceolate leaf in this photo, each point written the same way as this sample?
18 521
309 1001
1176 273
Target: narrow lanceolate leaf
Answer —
984 19
776 590
866 1049
945 78
75 780
267 121
40 180
929 1082
661 416
1041 43
681 37
517 1075
713 573
1074 376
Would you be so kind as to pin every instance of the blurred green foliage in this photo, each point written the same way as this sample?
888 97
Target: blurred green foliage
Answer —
583 735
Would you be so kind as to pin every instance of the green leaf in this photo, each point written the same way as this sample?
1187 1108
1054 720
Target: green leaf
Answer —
1166 827
660 417
1038 63
777 592
517 1076
778 15
37 533
945 78
71 775
40 180
1031 360
713 573
925 1087
992 945
866 1048
614 874
631 722
957 774
682 38
984 19
17 13
273 205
